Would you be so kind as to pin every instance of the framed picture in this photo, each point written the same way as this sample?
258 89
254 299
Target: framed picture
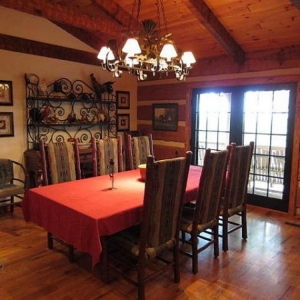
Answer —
165 117
123 122
123 100
6 93
6 124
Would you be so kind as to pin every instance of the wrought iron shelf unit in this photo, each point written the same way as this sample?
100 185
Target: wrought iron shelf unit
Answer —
65 110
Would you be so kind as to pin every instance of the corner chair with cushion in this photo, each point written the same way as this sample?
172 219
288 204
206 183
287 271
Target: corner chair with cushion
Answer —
13 183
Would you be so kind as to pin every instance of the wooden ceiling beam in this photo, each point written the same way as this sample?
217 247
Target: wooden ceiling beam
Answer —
11 43
204 14
296 3
116 12
65 15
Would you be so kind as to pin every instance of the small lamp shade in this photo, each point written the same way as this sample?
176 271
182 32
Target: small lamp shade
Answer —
168 51
188 58
131 47
105 54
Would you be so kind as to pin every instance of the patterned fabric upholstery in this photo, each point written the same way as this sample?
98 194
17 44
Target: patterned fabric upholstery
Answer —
6 171
163 200
141 148
10 186
240 169
234 201
61 162
108 149
205 214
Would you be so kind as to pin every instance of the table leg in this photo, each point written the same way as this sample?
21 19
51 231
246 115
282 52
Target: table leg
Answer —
104 270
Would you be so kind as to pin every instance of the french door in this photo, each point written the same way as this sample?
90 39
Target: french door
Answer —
263 114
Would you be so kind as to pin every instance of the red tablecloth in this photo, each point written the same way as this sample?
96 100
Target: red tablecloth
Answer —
80 212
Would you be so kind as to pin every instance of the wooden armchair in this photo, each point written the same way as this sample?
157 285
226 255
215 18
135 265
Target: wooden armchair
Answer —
159 229
60 163
108 149
234 202
11 185
138 148
201 221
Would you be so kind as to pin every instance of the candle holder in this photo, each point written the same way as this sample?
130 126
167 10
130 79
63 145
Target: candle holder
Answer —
112 174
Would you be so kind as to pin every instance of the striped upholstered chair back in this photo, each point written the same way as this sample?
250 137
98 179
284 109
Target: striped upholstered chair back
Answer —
159 230
196 220
138 149
109 149
60 162
234 202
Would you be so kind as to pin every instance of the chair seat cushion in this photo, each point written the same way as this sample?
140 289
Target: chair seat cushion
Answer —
186 223
128 240
7 190
232 211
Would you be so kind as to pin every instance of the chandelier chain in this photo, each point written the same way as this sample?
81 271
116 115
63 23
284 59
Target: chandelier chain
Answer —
136 3
164 16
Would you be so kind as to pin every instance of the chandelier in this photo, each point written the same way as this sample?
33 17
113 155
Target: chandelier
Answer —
147 50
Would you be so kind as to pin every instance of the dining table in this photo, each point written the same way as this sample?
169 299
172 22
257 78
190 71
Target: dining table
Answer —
80 212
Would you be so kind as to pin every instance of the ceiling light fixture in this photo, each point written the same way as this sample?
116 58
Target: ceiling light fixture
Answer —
146 50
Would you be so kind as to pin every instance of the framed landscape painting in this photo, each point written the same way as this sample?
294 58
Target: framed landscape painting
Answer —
165 117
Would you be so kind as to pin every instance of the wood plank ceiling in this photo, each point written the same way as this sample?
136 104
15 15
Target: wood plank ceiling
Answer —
210 28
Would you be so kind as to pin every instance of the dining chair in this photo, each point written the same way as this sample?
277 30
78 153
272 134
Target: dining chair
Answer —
158 232
13 183
108 150
137 150
60 163
201 220
235 195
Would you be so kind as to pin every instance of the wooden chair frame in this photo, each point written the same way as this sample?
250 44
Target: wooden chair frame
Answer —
130 141
235 194
97 156
14 186
151 243
47 180
201 220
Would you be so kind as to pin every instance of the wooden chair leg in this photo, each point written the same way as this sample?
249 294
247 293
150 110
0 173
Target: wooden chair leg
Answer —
176 263
141 280
244 225
216 240
225 234
11 208
71 253
50 240
194 253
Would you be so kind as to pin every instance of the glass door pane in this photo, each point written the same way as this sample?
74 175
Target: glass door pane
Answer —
262 114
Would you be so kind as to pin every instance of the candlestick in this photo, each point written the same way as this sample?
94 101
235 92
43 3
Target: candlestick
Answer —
112 173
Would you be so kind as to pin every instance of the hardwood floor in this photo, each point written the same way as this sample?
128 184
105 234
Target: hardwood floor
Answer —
266 266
